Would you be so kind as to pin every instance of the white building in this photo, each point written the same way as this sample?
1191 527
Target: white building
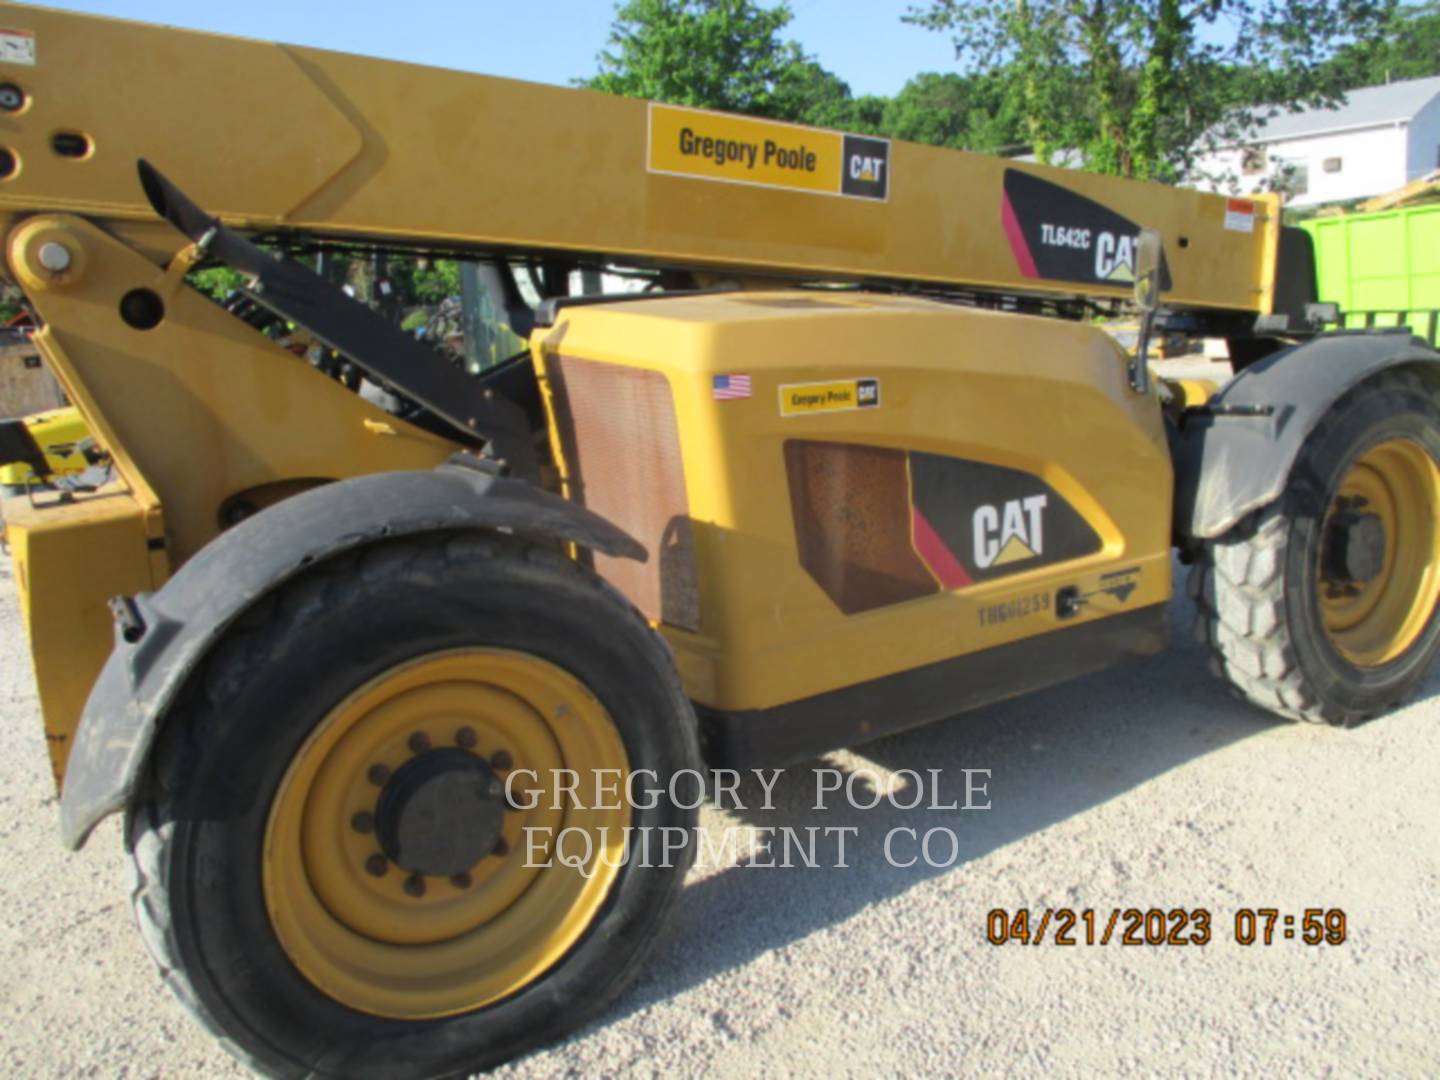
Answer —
1378 139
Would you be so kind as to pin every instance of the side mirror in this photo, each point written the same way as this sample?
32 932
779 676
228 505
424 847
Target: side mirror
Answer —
1147 270
1148 254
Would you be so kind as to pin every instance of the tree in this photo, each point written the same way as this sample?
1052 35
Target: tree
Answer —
1408 49
217 281
424 281
931 108
1140 87
995 123
806 93
716 54
730 55
968 112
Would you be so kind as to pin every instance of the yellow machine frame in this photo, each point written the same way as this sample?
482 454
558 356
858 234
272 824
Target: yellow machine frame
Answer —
860 458
369 151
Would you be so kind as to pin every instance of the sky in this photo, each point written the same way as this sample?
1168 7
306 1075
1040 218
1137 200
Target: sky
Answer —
554 41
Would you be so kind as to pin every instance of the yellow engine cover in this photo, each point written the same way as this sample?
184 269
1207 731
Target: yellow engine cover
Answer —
837 487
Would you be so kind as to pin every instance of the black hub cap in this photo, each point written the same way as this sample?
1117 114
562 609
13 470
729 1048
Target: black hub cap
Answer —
1355 548
440 813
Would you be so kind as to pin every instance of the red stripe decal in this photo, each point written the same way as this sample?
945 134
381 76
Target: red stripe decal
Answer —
936 555
1017 238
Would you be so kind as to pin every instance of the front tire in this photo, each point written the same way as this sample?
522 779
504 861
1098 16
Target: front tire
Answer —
327 870
1323 605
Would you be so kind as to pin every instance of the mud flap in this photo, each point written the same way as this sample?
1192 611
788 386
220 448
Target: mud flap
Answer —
161 637
1233 454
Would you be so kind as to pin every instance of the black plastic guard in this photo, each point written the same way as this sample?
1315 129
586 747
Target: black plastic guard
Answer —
1233 455
168 632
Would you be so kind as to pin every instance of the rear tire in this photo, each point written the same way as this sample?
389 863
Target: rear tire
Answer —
1287 630
224 850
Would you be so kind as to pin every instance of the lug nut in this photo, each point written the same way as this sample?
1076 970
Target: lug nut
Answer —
461 881
502 847
501 760
376 865
55 257
363 822
377 775
415 885
465 738
419 742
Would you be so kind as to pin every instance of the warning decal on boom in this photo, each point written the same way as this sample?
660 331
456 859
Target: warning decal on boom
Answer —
742 150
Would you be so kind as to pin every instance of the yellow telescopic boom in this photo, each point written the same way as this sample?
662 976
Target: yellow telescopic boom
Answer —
281 138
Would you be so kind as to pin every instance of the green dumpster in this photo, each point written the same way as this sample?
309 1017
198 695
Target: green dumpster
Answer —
1382 268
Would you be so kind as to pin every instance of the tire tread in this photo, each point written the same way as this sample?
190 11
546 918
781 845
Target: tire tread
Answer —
1238 584
150 824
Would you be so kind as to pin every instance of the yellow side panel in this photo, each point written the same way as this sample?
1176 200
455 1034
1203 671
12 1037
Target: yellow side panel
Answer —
1041 397
69 559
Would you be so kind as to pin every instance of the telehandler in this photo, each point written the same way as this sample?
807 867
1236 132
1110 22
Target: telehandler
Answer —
857 458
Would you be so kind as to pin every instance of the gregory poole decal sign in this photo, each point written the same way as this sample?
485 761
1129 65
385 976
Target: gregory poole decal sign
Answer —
799 399
743 150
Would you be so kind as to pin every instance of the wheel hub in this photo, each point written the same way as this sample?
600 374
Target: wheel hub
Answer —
396 878
1355 548
440 813
1378 567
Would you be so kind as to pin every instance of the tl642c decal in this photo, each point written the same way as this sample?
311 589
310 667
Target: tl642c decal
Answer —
1059 235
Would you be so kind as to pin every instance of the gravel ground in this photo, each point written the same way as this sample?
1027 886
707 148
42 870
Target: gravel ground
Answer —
1143 787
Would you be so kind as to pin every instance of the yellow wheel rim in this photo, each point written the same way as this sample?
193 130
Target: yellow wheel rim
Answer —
395 942
1370 620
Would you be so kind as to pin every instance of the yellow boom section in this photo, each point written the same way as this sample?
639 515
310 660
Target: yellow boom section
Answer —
276 137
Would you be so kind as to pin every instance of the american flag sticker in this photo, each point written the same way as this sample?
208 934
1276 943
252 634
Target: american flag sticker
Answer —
731 387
